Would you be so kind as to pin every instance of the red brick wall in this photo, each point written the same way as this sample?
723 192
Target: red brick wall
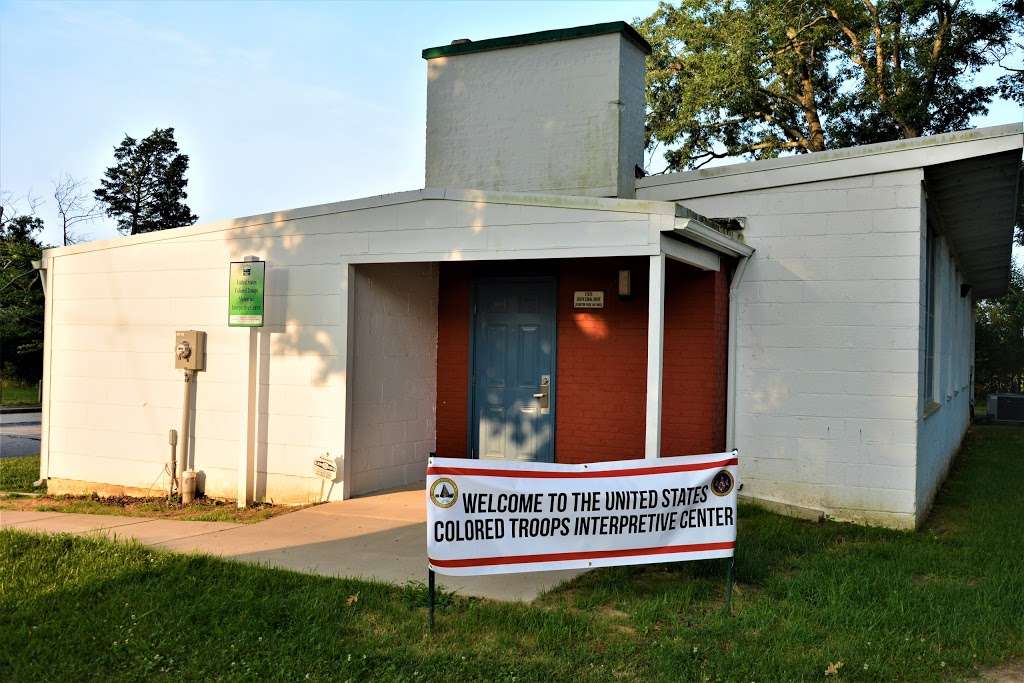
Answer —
453 320
695 361
602 364
601 372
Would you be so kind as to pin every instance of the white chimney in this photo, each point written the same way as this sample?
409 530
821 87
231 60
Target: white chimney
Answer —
559 112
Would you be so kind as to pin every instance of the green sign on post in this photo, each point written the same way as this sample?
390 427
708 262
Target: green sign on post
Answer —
245 293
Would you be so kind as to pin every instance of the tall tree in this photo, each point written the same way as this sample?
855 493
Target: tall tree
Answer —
145 189
762 77
21 297
1011 84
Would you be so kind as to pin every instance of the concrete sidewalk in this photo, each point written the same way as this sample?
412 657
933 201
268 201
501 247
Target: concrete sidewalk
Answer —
378 537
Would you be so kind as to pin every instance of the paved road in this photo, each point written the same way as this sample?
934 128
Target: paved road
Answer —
19 434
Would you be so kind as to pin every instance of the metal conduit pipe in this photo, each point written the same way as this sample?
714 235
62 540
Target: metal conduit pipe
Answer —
734 317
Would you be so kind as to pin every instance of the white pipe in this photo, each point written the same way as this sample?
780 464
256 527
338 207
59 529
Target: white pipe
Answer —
247 437
734 319
44 267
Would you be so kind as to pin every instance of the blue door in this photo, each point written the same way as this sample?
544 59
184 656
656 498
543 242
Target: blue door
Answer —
514 369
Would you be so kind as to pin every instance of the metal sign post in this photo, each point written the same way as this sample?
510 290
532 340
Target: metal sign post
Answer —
431 596
246 289
729 580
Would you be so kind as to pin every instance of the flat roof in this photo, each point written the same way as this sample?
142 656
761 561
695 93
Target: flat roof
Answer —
470 46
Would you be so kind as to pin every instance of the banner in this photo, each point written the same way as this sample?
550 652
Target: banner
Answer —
497 517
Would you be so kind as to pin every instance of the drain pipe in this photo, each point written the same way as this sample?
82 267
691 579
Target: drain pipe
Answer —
734 317
42 266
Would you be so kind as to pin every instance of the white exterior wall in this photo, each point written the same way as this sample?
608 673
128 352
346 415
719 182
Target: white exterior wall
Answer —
394 385
111 392
827 357
943 426
114 392
563 117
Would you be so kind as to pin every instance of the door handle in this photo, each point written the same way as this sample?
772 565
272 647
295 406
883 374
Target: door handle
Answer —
544 395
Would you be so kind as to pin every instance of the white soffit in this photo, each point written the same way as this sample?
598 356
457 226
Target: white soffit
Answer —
974 202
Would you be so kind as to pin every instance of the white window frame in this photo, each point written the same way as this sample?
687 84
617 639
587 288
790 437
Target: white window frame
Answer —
930 327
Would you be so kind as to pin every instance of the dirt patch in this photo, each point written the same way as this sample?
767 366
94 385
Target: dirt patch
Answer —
202 510
1009 672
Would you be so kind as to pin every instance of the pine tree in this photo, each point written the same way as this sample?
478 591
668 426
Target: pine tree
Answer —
145 189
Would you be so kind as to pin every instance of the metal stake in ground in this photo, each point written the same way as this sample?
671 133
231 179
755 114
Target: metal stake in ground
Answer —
430 597
729 579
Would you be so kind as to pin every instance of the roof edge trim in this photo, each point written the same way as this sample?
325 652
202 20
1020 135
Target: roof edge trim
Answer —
845 153
539 37
569 202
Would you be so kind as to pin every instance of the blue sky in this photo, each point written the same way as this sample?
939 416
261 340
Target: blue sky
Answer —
277 105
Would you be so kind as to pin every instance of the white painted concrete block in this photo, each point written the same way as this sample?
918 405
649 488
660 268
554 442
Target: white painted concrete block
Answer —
394 382
506 119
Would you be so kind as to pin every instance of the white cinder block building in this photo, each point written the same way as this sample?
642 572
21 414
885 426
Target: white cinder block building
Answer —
537 301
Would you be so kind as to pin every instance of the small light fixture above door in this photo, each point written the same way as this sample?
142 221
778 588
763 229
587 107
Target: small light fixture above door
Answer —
625 284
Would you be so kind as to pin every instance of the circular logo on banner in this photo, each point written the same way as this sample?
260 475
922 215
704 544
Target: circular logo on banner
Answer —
444 492
721 483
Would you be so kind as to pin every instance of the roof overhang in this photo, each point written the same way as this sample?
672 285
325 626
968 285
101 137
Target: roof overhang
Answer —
972 179
699 241
973 203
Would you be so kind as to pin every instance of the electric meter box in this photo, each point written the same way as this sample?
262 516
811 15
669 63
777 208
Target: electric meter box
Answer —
190 350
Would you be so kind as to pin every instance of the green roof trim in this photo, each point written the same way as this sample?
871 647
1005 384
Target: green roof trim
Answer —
622 27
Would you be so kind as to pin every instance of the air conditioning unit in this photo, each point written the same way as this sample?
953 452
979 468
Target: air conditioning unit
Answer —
1006 408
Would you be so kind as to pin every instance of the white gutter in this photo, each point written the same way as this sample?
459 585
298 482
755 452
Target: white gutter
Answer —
734 319
43 267
708 237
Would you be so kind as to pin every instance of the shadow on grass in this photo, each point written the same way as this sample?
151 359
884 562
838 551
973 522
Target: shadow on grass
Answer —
872 603
124 612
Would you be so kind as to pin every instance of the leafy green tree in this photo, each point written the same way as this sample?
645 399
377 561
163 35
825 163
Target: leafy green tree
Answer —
763 77
145 189
1011 84
999 339
21 296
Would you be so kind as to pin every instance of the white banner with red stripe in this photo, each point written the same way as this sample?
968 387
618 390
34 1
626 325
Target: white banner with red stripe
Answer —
497 517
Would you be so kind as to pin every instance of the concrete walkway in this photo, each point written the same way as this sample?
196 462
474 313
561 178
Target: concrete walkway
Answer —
378 537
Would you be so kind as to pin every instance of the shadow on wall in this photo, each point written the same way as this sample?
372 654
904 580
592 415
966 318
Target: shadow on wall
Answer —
304 291
522 432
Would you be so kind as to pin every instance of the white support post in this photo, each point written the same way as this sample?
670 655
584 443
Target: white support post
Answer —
47 274
733 361
655 347
247 437
345 350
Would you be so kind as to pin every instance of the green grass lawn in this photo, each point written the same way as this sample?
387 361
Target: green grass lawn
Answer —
18 395
17 474
874 604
